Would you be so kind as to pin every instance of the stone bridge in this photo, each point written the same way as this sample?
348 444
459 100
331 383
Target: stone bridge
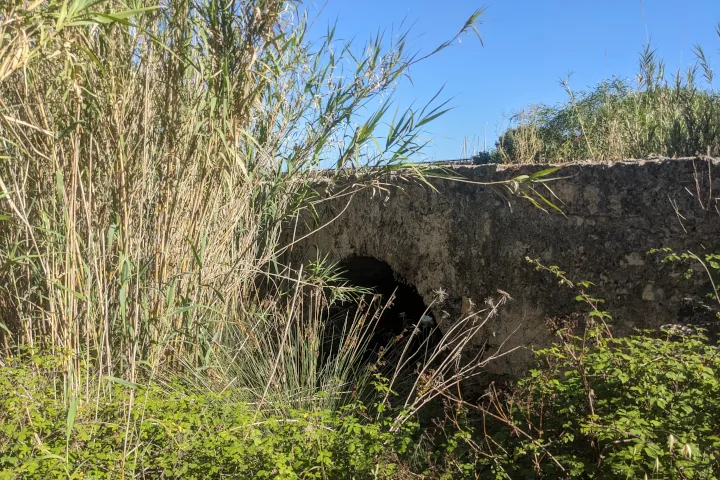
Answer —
470 240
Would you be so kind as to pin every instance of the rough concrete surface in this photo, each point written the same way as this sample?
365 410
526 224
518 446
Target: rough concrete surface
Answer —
471 240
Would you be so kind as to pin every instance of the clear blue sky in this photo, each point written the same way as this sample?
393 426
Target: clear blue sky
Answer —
529 46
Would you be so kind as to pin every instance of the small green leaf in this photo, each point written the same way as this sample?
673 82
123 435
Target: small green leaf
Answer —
120 381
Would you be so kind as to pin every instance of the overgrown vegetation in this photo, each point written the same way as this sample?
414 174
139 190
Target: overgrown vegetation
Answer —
630 407
596 406
655 115
644 406
172 432
151 157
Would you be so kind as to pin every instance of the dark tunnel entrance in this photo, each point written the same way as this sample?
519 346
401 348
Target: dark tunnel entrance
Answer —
399 319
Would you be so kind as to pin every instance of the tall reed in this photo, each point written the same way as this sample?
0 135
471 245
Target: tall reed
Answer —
151 157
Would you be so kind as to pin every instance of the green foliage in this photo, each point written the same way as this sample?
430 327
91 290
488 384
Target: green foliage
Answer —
642 405
709 262
617 120
171 432
485 158
645 406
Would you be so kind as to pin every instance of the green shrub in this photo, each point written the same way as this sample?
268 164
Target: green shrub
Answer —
485 158
643 405
170 432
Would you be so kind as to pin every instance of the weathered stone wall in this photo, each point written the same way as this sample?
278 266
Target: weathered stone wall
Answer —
469 241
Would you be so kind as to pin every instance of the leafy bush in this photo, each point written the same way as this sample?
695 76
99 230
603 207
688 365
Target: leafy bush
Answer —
643 405
168 431
602 407
485 158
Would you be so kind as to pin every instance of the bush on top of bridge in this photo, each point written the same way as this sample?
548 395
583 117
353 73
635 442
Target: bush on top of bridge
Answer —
657 115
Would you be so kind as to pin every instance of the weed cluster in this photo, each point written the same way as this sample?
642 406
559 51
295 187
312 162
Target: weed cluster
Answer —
644 406
170 431
153 158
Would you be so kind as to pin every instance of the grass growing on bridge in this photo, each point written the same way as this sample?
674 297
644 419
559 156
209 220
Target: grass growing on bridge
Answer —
655 114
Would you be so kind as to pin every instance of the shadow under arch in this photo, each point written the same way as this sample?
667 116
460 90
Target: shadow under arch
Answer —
407 311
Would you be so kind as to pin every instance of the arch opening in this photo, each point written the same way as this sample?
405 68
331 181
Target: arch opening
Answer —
399 318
